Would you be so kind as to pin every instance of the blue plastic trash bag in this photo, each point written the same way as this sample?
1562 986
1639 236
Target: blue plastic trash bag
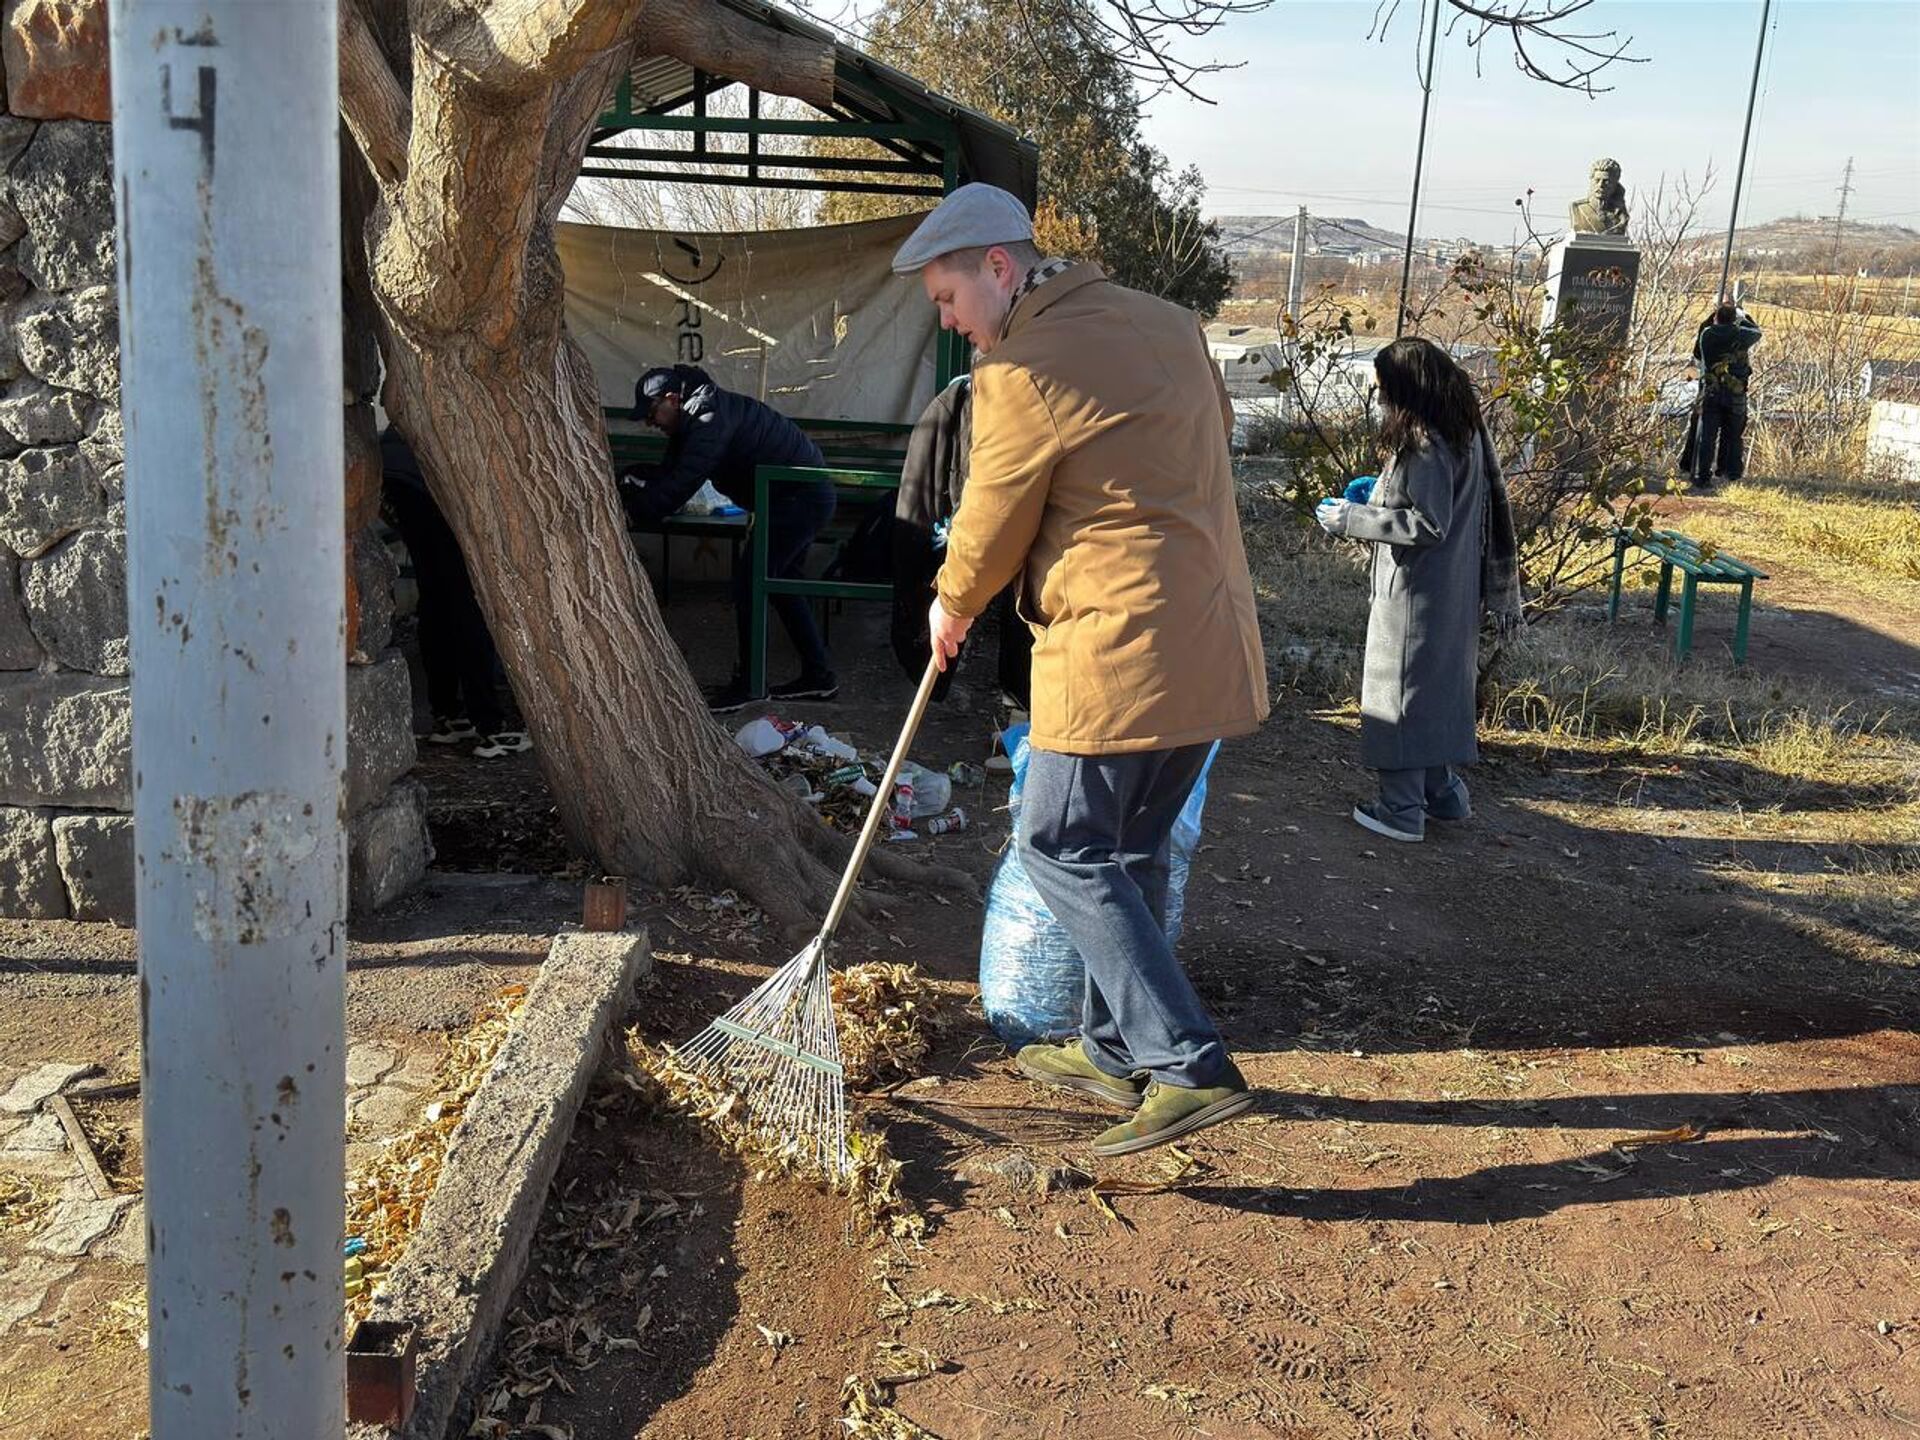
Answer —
1032 980
1360 491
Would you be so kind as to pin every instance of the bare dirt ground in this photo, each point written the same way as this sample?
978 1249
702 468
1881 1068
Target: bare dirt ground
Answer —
1594 1117
1584 1119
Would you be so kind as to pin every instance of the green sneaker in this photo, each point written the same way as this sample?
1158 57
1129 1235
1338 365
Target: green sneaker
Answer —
1170 1111
1067 1066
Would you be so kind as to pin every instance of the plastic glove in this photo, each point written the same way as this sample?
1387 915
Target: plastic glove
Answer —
1332 515
1360 491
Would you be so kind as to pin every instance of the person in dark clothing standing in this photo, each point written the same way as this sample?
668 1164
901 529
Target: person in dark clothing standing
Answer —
715 434
1720 350
455 649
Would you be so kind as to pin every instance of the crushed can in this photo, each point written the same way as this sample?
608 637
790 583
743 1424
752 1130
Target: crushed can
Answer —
845 774
951 823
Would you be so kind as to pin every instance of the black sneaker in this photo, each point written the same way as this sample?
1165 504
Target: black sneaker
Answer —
823 686
732 696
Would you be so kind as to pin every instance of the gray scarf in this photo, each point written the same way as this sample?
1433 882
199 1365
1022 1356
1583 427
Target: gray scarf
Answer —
1035 278
1499 550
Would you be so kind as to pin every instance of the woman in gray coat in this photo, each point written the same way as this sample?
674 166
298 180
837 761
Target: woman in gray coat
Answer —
1443 551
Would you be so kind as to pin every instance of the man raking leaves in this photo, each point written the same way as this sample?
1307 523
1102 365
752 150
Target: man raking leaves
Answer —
1099 479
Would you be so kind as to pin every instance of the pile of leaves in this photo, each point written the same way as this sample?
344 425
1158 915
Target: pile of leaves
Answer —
886 1015
386 1196
876 1203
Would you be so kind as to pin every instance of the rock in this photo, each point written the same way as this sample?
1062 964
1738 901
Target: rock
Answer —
76 596
113 487
368 1064
29 878
65 740
45 495
364 469
106 444
18 649
13 286
380 746
62 185
24 1286
74 341
41 1084
11 365
56 56
76 1222
388 849
15 132
12 227
95 856
373 575
42 1136
40 415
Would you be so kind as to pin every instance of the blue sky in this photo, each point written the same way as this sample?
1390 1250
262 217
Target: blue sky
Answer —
1322 117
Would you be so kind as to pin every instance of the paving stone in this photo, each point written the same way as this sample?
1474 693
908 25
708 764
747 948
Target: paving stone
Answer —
77 1222
419 1071
34 1088
62 185
128 1242
384 1110
366 1064
24 1286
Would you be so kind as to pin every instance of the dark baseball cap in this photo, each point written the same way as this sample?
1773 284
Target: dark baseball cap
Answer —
657 382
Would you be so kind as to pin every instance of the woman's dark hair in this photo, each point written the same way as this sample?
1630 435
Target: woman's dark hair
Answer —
1422 389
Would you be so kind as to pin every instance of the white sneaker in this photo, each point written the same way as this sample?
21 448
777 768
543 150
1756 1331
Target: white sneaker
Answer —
451 730
506 742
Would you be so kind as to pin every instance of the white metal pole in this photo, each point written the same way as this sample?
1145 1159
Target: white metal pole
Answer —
226 165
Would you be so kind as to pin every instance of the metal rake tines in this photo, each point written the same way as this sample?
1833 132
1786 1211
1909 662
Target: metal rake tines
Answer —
779 1053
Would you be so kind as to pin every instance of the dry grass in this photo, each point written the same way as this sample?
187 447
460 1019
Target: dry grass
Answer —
886 1016
24 1203
1865 537
386 1196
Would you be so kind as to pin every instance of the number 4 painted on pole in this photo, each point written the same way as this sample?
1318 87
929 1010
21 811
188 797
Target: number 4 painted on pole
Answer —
201 122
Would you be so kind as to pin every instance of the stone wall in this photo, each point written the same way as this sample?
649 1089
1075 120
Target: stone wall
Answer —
66 834
1893 439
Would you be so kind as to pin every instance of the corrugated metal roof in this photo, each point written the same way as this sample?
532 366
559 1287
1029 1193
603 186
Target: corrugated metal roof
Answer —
990 151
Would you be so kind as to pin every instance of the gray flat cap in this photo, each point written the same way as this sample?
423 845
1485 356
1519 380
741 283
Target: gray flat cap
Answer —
971 216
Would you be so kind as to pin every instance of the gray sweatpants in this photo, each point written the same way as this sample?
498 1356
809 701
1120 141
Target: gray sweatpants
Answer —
1095 836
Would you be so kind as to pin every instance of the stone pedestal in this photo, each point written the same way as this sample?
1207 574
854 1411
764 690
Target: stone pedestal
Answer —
1587 315
1590 285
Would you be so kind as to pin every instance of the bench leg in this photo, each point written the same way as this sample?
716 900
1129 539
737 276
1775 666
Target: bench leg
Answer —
1662 600
1683 638
756 656
1619 570
1740 626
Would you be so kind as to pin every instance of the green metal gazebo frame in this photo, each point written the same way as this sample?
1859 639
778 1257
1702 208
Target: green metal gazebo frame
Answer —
931 144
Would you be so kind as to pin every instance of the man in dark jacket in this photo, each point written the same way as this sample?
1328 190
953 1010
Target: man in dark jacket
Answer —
714 434
1720 351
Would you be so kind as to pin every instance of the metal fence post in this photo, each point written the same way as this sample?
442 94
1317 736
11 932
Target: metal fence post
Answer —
226 169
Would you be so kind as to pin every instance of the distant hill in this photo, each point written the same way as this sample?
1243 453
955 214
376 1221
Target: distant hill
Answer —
1248 237
1814 235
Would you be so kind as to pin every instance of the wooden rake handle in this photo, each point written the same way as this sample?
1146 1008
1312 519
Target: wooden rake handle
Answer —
882 803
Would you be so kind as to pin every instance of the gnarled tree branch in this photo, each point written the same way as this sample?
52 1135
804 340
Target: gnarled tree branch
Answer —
723 42
372 101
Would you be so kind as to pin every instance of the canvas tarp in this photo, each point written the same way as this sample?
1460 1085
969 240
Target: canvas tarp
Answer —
813 320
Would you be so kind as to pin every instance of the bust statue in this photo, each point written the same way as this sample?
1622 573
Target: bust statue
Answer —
1604 211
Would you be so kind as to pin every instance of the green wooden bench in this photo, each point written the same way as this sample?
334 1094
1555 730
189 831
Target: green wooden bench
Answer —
1697 567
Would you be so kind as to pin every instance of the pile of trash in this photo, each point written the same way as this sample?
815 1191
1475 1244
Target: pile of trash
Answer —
828 773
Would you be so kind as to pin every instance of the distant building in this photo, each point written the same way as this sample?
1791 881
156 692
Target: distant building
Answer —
1882 379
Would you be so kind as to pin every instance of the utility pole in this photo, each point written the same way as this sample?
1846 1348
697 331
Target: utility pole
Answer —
1840 219
1296 273
1419 162
226 167
1746 134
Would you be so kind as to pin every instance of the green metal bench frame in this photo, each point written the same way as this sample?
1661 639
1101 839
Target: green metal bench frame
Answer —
763 586
1677 551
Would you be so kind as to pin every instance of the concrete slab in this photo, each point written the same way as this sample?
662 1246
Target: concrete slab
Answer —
128 1242
460 1270
384 1110
24 1286
41 1135
77 1222
34 1088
